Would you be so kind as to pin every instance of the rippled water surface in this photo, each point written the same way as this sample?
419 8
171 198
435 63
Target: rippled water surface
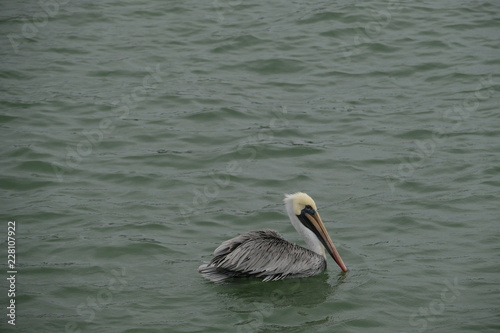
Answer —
136 137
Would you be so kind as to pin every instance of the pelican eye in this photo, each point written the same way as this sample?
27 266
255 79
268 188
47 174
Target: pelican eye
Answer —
309 210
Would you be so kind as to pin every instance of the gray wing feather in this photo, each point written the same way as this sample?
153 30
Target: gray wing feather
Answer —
265 254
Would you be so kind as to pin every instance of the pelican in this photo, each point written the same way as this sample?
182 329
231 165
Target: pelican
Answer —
266 254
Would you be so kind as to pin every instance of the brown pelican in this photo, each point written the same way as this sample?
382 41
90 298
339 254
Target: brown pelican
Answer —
266 254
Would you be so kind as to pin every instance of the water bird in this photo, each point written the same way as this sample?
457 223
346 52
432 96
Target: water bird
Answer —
266 254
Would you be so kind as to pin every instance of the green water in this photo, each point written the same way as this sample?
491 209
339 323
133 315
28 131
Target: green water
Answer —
138 137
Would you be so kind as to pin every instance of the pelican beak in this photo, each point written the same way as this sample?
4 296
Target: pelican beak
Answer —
323 236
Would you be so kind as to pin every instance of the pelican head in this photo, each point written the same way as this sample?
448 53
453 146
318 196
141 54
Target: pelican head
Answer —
304 216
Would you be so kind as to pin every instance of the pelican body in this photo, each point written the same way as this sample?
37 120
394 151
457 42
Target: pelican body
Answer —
266 254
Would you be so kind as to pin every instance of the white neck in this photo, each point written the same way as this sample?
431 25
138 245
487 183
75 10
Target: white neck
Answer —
309 237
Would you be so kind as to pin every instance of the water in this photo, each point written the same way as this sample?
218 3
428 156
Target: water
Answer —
136 138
